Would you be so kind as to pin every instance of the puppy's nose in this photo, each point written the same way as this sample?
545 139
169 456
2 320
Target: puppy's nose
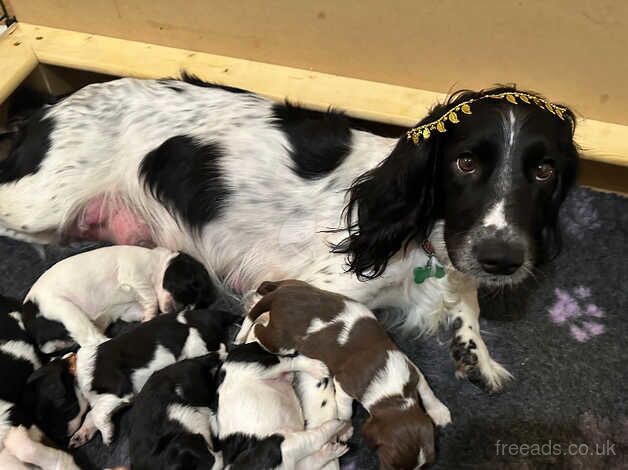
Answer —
499 257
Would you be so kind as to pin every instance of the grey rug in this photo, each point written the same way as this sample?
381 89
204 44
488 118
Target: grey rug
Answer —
564 336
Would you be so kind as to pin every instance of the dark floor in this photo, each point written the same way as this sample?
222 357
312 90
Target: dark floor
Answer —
564 337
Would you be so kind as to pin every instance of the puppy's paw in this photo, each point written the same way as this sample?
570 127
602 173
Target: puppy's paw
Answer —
345 434
334 450
440 414
82 436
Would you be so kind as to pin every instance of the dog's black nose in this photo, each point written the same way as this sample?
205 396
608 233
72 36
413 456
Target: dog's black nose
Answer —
499 257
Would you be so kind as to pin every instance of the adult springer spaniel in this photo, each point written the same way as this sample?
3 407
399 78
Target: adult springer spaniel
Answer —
259 190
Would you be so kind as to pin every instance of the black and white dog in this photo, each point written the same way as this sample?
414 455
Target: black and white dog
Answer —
259 190
170 418
79 297
20 438
259 419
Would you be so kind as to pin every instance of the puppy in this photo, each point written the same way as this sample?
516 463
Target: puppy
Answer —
170 418
109 374
366 365
79 297
260 425
20 438
317 398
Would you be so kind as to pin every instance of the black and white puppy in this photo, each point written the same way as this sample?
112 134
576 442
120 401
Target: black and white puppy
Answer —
170 418
20 438
79 297
259 419
109 374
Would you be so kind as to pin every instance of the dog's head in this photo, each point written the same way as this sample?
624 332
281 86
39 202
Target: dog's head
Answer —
186 283
491 173
53 398
403 437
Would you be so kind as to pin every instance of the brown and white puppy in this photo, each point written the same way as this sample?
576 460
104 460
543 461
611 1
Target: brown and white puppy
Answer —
365 363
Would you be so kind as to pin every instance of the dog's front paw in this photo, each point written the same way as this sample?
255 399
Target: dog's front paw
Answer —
476 365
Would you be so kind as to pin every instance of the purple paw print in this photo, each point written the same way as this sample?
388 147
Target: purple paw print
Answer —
578 313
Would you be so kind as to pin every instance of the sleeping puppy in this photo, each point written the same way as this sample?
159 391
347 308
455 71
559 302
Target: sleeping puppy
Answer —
170 418
109 374
80 296
259 421
20 438
365 364
316 397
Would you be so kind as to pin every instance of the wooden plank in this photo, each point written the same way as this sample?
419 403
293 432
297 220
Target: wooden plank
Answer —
374 101
571 50
17 60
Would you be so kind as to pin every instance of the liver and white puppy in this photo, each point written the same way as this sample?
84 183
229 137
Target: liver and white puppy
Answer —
366 365
260 424
316 397
170 419
20 438
80 296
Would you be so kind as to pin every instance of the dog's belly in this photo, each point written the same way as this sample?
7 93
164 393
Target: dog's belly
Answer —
110 219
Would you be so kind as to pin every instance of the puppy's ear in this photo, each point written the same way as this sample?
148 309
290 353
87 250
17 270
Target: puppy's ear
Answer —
390 205
267 286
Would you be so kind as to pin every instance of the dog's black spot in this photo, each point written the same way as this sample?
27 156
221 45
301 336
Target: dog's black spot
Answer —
28 150
323 403
184 175
246 452
457 323
252 352
320 141
194 80
472 345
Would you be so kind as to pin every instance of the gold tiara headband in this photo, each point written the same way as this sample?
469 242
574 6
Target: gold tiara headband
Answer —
424 131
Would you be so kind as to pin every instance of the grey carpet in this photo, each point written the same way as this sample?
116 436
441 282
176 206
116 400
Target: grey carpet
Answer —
563 336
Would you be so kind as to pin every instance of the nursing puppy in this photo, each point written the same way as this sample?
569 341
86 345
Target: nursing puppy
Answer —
170 419
364 362
260 425
79 297
109 374
20 438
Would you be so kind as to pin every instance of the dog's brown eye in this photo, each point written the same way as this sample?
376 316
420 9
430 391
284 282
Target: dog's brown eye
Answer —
544 171
467 163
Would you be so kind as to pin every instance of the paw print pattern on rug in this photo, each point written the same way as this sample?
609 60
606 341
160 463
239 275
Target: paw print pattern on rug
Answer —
576 311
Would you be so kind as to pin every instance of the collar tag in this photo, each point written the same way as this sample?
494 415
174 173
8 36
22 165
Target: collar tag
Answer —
431 269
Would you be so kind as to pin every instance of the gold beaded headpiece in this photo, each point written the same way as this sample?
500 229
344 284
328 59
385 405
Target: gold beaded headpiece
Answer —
452 116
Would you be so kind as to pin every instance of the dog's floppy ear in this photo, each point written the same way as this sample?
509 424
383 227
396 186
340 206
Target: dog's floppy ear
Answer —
550 239
371 433
389 205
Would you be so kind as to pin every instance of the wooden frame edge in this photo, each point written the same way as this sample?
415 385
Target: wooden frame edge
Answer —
601 141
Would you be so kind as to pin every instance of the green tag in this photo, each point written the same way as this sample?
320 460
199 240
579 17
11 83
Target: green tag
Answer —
421 273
